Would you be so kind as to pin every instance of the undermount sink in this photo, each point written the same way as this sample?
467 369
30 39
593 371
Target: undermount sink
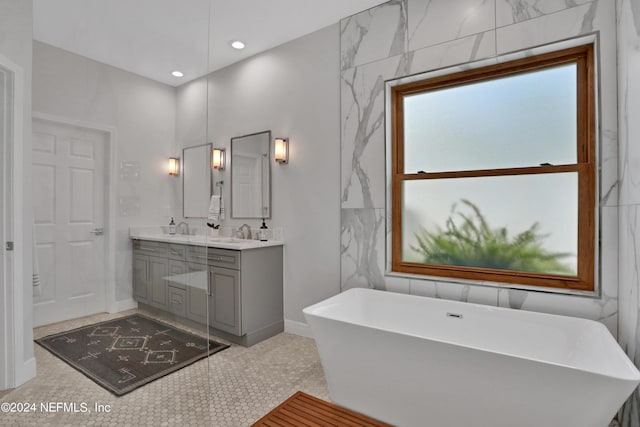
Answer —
226 239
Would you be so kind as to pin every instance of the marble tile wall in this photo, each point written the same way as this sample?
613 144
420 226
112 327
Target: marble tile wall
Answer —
628 13
405 37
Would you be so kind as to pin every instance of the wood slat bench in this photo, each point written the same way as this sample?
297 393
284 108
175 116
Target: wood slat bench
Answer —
303 410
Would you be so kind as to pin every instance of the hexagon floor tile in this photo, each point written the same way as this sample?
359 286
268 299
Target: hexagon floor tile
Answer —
233 388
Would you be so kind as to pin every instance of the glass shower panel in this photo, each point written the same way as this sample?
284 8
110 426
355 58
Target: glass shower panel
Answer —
109 113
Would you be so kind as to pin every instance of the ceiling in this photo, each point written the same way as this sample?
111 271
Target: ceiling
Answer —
154 37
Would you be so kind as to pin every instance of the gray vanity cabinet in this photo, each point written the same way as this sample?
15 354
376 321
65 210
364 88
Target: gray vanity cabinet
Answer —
158 269
150 267
224 299
141 282
242 289
196 297
177 295
149 285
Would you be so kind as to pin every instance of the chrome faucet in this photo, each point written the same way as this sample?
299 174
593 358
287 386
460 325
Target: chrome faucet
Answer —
244 232
180 225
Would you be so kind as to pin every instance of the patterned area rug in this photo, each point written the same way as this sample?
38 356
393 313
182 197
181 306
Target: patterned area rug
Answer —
126 353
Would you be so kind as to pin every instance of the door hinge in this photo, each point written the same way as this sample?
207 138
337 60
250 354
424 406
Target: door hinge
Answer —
8 246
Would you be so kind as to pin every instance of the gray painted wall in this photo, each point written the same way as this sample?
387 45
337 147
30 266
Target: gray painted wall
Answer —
16 28
292 90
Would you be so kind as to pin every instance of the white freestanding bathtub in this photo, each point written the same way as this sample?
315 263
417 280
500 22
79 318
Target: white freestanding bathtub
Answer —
416 361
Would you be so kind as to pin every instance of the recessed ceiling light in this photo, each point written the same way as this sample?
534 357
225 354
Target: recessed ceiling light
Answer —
177 73
237 44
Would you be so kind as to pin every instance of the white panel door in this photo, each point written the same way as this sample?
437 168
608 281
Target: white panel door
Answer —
68 208
246 186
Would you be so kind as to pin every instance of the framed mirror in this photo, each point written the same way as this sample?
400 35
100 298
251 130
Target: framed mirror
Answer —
251 176
196 181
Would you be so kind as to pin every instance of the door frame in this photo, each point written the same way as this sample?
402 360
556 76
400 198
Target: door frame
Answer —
110 167
15 370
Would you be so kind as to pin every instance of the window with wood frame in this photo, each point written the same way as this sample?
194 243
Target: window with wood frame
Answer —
493 173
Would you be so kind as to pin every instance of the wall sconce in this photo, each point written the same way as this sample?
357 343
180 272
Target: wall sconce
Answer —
174 166
281 150
217 158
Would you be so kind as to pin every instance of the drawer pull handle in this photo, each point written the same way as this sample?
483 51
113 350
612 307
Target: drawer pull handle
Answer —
210 258
144 248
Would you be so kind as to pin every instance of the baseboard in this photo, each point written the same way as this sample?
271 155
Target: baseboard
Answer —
27 372
297 328
123 305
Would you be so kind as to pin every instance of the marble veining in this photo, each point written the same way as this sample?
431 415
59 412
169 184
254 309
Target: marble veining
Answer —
367 125
579 20
514 11
362 248
630 153
362 96
630 301
635 10
436 21
374 34
589 18
516 298
455 292
610 182
456 52
628 18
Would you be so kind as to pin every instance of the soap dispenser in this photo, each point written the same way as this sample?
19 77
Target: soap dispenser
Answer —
172 227
262 234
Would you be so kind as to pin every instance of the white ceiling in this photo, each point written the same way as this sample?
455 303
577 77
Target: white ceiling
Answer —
154 37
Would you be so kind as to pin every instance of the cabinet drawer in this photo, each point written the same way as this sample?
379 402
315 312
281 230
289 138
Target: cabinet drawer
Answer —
213 256
146 247
224 258
177 252
177 301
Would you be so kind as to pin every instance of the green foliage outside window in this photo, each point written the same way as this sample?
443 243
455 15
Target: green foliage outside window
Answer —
469 241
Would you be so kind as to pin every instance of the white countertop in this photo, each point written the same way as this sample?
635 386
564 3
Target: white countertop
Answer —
201 240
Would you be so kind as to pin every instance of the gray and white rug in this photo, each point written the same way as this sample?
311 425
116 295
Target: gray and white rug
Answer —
126 353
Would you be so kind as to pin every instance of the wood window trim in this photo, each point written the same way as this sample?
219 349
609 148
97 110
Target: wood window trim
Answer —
583 57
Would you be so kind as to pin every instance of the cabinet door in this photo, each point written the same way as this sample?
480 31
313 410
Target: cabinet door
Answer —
197 293
224 301
141 278
158 269
197 305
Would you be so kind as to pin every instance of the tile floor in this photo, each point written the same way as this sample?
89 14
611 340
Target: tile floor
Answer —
234 388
